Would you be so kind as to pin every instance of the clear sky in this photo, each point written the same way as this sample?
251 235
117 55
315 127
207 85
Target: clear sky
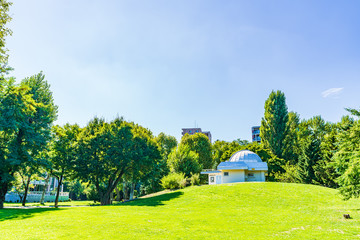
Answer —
166 64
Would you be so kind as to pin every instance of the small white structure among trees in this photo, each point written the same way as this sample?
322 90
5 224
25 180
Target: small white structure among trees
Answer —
243 166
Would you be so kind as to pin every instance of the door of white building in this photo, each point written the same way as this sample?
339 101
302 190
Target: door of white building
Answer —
218 179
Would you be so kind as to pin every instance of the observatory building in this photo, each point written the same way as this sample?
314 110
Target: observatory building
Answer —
243 166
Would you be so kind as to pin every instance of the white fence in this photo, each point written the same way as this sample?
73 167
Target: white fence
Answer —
36 197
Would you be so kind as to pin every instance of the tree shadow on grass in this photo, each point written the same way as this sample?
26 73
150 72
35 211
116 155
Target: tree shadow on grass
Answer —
19 214
153 201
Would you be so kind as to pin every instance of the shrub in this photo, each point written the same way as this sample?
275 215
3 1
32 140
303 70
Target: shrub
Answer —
195 179
173 181
290 174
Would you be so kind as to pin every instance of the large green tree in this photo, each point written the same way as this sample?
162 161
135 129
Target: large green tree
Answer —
200 144
7 89
27 111
274 125
107 151
183 160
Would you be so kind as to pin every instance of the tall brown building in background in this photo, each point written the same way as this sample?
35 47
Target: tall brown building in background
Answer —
192 131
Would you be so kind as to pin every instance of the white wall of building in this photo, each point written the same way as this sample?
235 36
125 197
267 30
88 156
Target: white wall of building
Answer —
233 176
254 176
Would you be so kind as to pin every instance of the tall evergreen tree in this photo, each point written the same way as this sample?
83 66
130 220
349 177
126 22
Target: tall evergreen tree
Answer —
310 155
292 144
274 125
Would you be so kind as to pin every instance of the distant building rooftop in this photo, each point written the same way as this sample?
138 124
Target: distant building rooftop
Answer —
192 131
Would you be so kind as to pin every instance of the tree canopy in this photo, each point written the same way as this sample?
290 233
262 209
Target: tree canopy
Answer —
107 151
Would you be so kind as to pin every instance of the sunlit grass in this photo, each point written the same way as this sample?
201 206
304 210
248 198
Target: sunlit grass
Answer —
233 211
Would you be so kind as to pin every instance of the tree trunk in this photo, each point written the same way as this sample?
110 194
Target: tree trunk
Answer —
26 191
117 194
58 191
132 188
3 191
105 200
44 190
125 188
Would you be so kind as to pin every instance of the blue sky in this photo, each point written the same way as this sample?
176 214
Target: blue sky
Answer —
166 64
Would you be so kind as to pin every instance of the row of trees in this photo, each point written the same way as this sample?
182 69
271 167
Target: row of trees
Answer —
312 150
107 155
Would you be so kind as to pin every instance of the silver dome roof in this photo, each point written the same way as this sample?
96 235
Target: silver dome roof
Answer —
245 156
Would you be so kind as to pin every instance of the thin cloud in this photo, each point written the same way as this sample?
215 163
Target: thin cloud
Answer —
332 92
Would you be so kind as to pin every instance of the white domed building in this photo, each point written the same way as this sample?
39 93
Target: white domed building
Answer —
243 166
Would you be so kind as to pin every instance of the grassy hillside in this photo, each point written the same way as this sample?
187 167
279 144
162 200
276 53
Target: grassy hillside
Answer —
231 211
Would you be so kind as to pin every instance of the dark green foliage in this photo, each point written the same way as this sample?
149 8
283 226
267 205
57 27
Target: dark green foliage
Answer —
354 112
274 125
223 150
292 145
76 190
310 155
200 144
325 170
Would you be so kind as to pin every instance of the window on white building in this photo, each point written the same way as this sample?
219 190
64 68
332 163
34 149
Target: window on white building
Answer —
226 173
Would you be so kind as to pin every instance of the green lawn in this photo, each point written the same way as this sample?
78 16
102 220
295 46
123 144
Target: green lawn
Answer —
231 211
